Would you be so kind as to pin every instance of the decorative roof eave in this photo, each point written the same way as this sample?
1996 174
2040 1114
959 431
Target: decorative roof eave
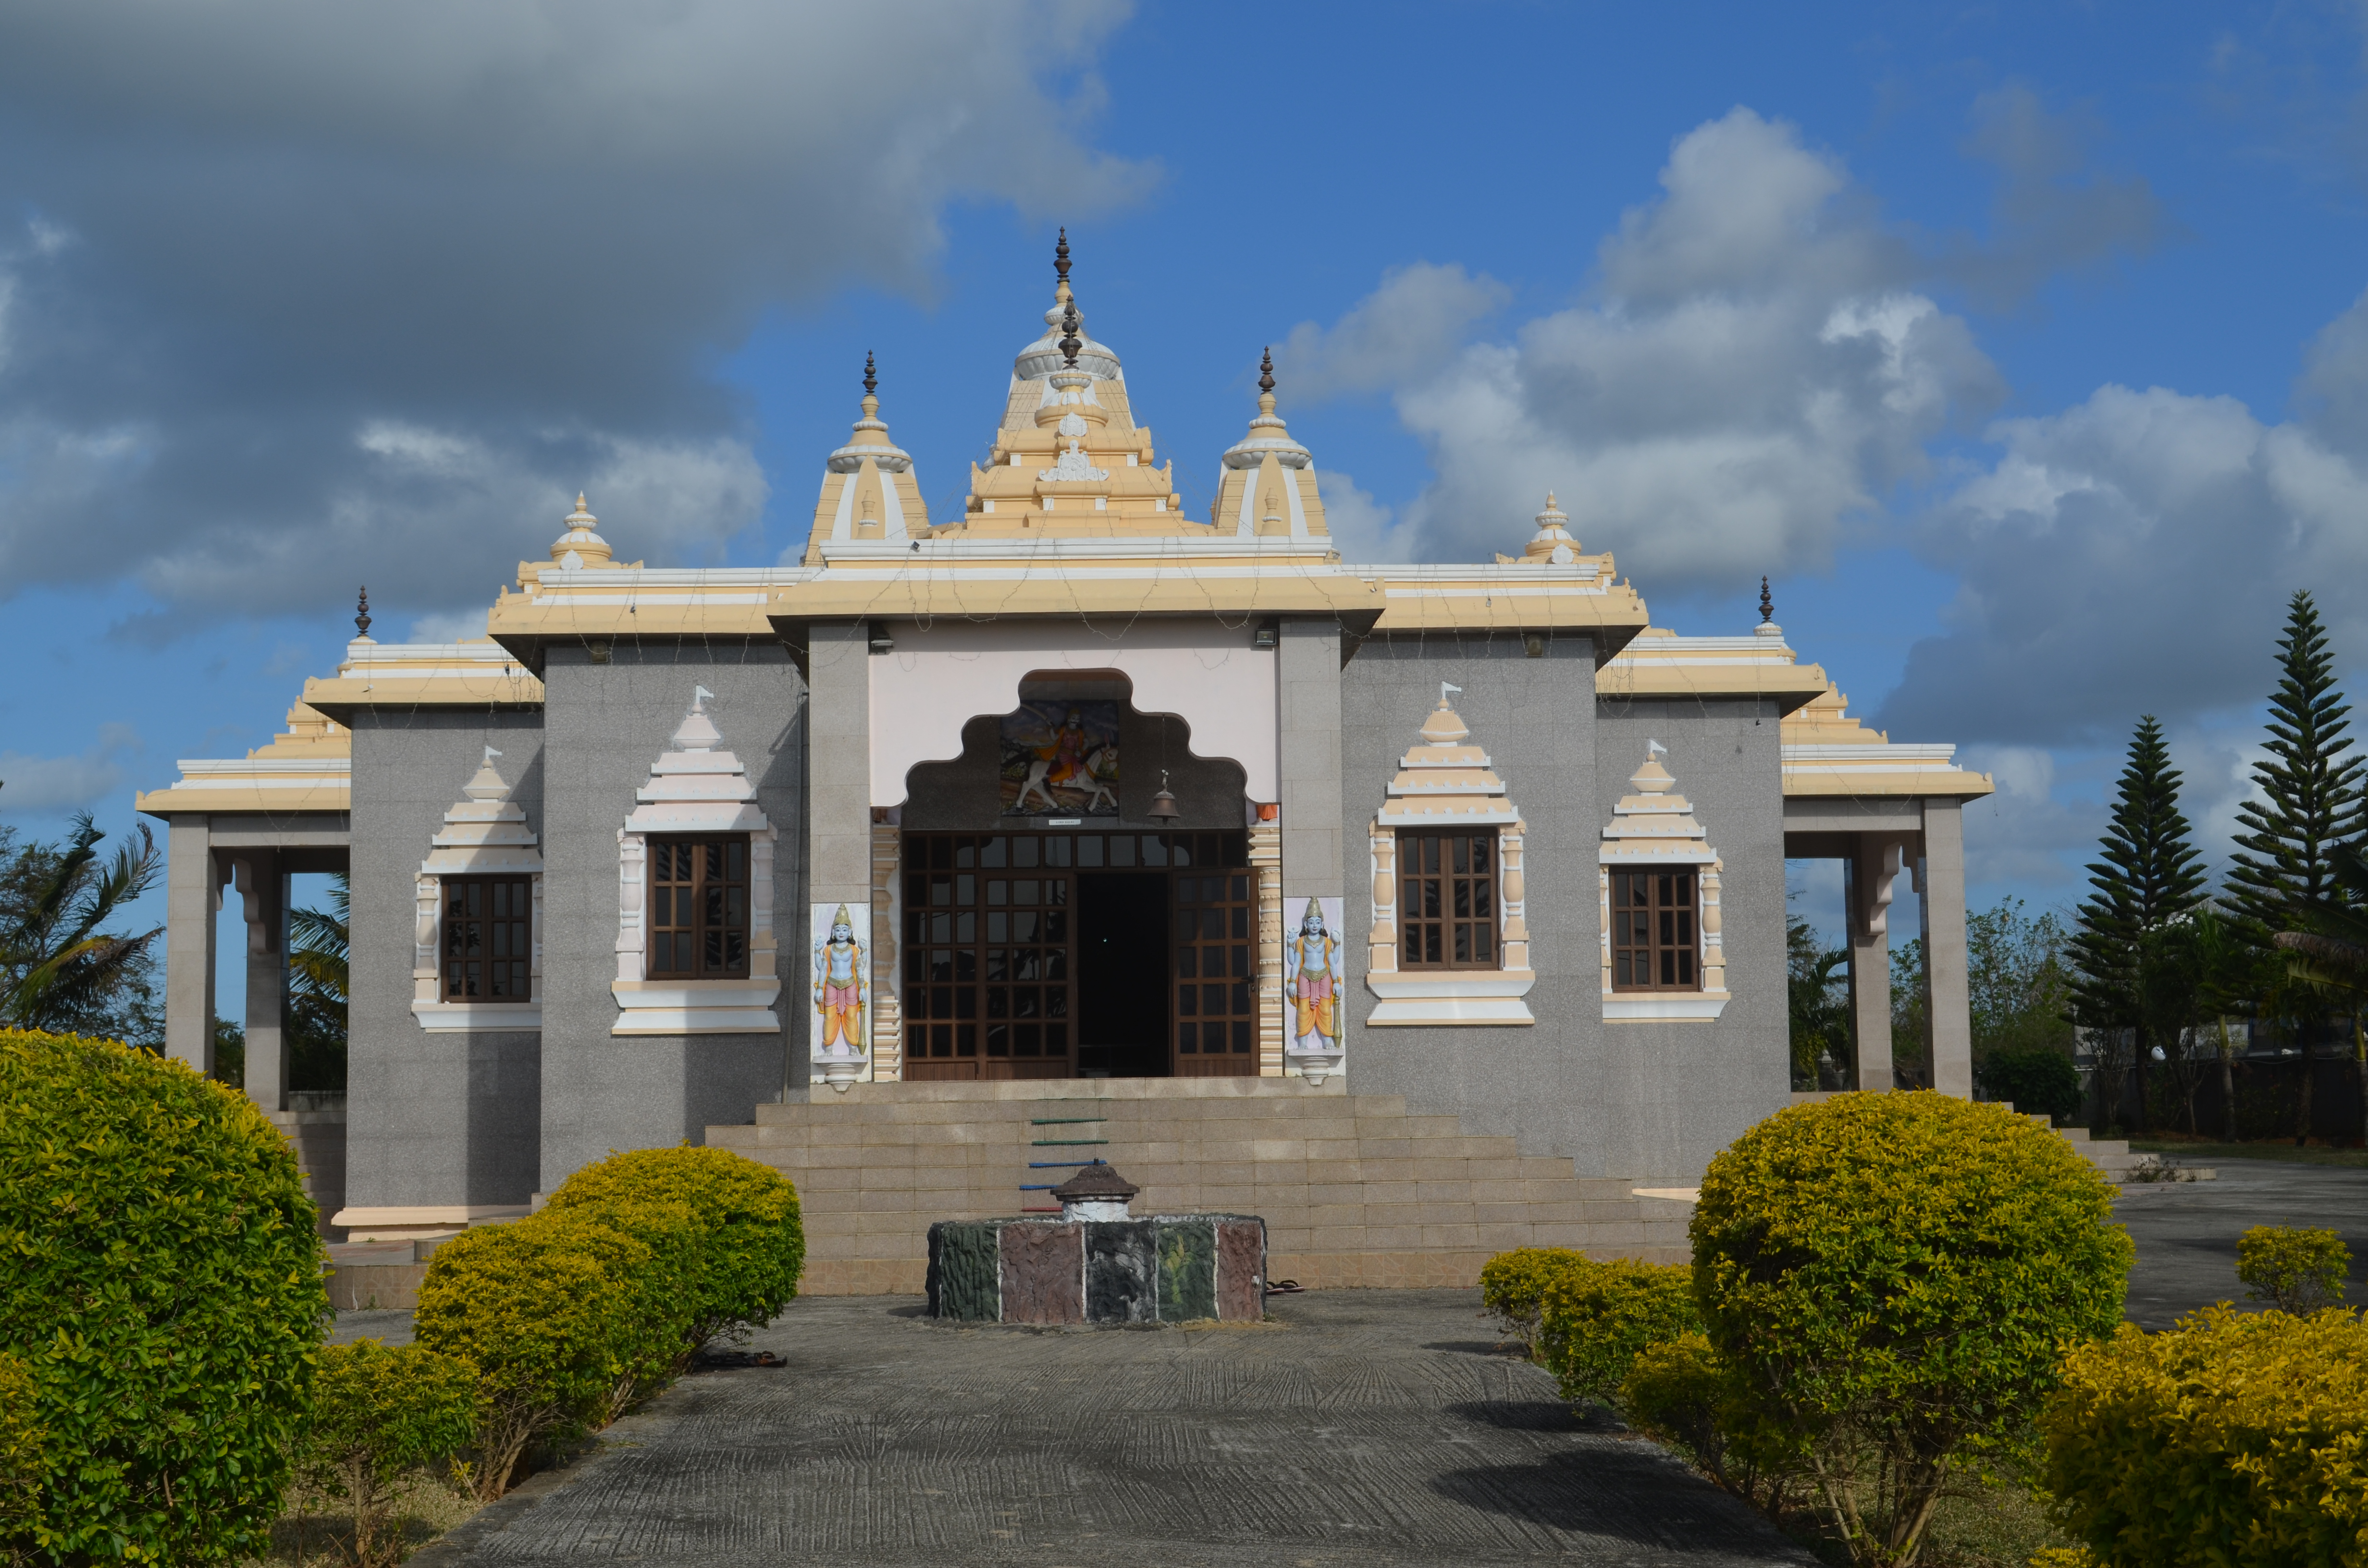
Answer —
1661 663
1885 783
424 674
306 768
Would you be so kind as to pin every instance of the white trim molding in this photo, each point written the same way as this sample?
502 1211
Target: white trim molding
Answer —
421 1222
695 788
484 834
1442 782
1653 826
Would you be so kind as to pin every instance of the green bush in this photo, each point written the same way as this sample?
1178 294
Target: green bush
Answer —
2232 1438
1512 1282
1679 1393
21 1442
2039 1079
163 1290
753 1243
1593 1319
653 1253
1892 1278
2294 1270
378 1415
547 1329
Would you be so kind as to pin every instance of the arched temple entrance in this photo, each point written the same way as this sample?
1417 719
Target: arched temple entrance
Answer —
1049 926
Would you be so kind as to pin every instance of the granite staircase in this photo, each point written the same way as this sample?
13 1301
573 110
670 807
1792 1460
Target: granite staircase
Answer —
1355 1189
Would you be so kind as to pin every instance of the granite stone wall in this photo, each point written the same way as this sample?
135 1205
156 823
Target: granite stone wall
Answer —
603 725
1686 1089
435 1119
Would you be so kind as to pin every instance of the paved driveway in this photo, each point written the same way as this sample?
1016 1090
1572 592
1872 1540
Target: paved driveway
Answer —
1368 1427
2186 1232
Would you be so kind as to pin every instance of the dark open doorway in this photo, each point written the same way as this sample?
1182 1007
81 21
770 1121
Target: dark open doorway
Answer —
1122 975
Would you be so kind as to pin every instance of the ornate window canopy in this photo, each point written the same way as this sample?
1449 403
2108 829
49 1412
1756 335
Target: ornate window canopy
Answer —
1653 829
695 788
484 834
1444 783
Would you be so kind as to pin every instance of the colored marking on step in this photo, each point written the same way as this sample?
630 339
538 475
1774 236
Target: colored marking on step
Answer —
1063 1120
1036 1186
1063 1142
1060 1165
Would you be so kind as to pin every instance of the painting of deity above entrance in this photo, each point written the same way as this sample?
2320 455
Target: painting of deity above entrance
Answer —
842 993
1060 760
1313 979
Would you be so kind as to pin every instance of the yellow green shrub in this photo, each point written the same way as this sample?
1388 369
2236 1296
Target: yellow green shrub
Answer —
379 1414
1593 1319
548 1327
753 1243
1512 1282
654 1252
163 1294
1894 1278
21 1440
1679 1393
2235 1438
2293 1270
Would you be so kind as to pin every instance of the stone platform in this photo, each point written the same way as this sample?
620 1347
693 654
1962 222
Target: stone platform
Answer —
1355 1189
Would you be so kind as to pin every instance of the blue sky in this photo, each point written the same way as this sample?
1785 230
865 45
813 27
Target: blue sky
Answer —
2017 343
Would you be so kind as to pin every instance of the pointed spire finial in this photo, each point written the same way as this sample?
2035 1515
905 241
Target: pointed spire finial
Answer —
1266 369
871 374
1061 254
1767 604
361 613
1069 340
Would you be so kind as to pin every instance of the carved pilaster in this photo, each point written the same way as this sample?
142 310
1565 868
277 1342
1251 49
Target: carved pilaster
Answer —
426 936
887 928
1266 864
1514 896
1383 954
633 940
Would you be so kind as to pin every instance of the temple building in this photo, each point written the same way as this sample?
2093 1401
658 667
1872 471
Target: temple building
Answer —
1424 910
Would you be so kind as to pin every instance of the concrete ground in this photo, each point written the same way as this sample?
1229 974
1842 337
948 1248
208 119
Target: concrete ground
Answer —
2186 1232
1363 1428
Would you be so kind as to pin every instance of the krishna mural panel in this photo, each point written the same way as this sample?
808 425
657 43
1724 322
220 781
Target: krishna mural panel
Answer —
1060 760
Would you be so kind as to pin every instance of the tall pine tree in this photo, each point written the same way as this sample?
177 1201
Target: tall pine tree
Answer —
2147 877
2310 802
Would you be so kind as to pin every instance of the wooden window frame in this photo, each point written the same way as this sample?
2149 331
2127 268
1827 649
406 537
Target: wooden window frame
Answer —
512 930
1445 931
666 894
1216 963
1667 921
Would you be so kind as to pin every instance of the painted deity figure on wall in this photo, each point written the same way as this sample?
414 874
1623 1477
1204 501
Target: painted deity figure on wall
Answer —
840 976
1311 969
1060 757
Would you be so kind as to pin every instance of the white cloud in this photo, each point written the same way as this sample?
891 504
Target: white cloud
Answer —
1754 371
1363 530
44 785
357 291
1406 328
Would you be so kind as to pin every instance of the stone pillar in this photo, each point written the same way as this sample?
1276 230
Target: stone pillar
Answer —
838 798
192 897
262 893
1867 878
1940 879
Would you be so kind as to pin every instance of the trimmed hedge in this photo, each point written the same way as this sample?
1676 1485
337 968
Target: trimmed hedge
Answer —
1594 1319
1512 1283
21 1443
1894 1278
572 1316
2294 1270
753 1244
163 1290
379 1414
2232 1438
1680 1393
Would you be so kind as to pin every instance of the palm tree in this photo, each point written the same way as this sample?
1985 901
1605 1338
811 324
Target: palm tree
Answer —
319 942
2331 952
58 969
1820 1018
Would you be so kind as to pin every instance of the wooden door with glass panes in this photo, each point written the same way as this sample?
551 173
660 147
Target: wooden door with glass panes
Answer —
989 986
1212 924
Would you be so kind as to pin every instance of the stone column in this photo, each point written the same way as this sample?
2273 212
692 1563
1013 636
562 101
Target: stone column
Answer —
262 893
1947 1002
192 897
1867 878
1307 767
838 798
